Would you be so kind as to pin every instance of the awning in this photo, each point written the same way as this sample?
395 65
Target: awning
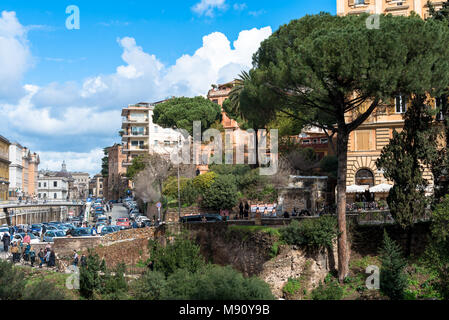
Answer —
356 188
381 188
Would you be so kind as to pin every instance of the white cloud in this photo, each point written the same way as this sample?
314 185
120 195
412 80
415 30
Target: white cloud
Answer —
87 162
89 111
207 7
257 13
15 56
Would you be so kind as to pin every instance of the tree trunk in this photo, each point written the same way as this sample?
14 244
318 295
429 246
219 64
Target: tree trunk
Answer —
408 246
343 256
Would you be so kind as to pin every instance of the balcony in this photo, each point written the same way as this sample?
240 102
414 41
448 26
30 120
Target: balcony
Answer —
127 122
126 163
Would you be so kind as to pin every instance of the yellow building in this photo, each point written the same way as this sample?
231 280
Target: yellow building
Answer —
395 7
4 168
367 142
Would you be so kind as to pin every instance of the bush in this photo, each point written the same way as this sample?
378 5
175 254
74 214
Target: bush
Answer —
189 194
393 280
203 182
180 254
150 286
90 281
115 287
292 286
43 289
329 290
312 233
170 188
216 283
222 194
12 281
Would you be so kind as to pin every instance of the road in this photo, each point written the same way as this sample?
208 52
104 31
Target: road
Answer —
118 211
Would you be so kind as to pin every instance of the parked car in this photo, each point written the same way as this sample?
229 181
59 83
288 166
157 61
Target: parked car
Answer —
20 236
36 229
141 219
82 232
116 228
102 219
107 229
50 235
123 223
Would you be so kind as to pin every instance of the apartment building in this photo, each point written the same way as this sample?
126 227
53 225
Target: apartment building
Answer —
4 168
366 143
15 171
96 186
394 7
80 188
140 135
52 186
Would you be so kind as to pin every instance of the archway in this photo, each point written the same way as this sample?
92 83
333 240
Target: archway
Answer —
364 177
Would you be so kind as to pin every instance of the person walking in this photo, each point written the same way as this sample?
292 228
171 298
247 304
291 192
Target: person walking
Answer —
6 239
246 210
26 254
14 252
47 257
41 256
83 260
75 258
32 256
27 238
52 259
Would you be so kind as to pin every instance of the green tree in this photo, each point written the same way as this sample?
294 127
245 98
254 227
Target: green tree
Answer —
137 165
403 161
222 194
105 163
216 283
437 252
322 68
179 254
393 279
12 281
90 279
182 112
115 286
43 289
150 286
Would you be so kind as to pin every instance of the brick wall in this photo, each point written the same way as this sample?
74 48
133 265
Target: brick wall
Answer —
66 245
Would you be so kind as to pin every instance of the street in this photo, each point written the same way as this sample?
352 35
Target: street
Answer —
118 211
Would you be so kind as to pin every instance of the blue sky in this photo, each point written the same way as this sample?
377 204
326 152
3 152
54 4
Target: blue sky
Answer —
61 91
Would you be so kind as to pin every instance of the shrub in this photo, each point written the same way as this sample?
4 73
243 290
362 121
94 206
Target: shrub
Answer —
90 281
204 181
12 281
170 188
180 254
329 290
222 194
216 283
292 286
150 286
393 280
115 287
189 194
312 233
43 289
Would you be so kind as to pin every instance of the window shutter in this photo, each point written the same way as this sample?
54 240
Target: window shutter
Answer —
351 2
367 1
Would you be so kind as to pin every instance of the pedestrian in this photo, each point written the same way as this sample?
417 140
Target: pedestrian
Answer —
246 210
241 207
41 256
15 252
27 238
52 259
75 258
32 256
6 239
26 253
93 231
286 215
83 261
47 257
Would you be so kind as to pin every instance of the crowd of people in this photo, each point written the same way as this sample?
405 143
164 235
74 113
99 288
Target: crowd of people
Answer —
23 251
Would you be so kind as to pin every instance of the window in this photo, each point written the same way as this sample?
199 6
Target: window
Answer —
356 2
45 184
39 184
137 131
55 183
156 142
39 195
401 104
156 129
167 143
364 177
307 141
215 101
324 140
55 196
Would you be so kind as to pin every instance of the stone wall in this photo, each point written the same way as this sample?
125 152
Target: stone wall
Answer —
66 245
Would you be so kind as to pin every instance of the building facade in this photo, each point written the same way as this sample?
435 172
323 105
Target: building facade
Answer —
4 168
51 186
117 181
395 7
97 186
15 171
367 141
141 136
80 185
